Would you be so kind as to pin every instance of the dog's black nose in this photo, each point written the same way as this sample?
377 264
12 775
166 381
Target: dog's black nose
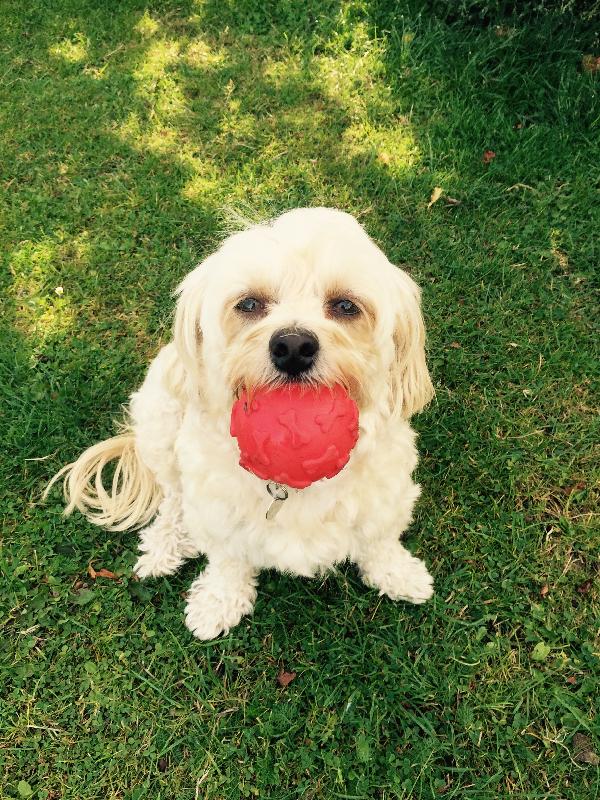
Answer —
293 350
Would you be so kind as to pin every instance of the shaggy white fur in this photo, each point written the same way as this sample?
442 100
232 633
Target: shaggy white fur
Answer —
179 459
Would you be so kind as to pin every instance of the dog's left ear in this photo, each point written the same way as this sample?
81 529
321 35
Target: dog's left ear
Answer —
410 384
187 333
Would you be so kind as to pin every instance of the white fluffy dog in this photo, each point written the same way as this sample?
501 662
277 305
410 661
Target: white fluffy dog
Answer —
348 316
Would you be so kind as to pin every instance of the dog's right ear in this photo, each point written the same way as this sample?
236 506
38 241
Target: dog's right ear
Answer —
187 333
411 386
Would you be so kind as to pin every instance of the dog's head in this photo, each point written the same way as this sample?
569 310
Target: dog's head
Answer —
307 298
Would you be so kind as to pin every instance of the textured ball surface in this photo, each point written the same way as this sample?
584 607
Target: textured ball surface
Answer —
295 435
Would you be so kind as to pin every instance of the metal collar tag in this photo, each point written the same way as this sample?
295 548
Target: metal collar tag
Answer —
279 493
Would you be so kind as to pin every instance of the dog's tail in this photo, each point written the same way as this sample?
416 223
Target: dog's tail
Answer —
134 495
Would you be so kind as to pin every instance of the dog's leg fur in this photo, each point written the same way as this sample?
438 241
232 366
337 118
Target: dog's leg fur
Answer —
155 411
220 597
164 544
395 572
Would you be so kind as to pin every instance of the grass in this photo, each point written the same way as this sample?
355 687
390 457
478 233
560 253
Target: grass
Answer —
129 133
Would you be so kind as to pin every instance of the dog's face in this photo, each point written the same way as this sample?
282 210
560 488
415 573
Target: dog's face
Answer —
307 298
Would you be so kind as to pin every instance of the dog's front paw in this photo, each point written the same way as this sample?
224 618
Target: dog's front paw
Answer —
402 577
163 546
412 582
212 610
154 564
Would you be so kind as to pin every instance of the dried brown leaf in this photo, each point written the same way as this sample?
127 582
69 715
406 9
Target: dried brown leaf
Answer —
582 750
544 590
106 573
588 757
435 196
489 155
100 573
285 678
590 63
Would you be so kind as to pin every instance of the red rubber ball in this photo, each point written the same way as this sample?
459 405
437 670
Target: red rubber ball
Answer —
295 434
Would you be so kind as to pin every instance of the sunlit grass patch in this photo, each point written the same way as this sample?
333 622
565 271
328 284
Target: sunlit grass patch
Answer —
147 25
394 147
355 78
42 305
74 50
199 54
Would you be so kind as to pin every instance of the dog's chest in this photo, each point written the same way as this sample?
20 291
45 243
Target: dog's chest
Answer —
225 508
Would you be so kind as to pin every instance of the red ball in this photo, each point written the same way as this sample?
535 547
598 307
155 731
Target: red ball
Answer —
295 434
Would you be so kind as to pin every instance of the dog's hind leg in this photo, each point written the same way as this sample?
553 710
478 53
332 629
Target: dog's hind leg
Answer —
156 414
220 597
164 544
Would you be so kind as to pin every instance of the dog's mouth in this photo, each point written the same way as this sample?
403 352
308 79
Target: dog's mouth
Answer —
310 379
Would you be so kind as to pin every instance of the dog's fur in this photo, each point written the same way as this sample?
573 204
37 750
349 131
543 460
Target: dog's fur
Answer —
177 465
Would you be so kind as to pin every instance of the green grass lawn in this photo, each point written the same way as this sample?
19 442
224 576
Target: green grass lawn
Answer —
131 135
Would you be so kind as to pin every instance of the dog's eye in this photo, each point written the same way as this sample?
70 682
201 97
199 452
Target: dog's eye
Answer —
250 305
344 308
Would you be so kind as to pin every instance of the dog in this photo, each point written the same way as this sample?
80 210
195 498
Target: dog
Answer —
311 275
